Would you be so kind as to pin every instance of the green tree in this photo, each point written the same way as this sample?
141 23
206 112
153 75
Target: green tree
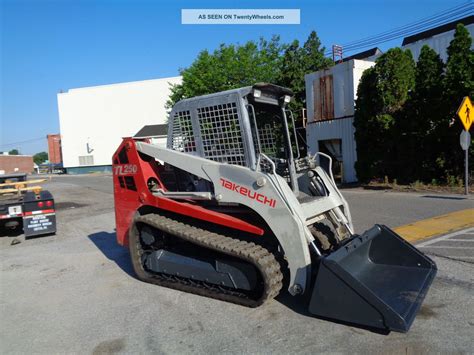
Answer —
228 67
292 68
395 78
428 76
298 61
407 115
382 92
14 152
460 65
233 66
459 82
367 127
40 158
422 117
313 55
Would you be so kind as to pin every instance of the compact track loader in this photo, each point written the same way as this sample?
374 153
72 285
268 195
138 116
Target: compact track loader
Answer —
230 210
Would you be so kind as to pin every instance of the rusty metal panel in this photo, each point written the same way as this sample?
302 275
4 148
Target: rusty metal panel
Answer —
322 92
345 79
316 100
329 95
325 106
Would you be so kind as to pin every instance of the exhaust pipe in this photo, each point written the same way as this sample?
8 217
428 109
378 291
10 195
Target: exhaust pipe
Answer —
377 280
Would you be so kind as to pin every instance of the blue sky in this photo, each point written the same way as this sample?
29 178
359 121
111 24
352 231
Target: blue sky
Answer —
48 46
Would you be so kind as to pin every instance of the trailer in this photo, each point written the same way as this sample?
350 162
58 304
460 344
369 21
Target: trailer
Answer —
26 205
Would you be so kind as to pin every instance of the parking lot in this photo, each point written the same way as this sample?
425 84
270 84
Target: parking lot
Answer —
76 292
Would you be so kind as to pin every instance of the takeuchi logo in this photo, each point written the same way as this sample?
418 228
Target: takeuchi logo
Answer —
245 191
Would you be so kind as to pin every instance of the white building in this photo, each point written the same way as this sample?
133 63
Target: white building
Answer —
330 96
94 119
437 38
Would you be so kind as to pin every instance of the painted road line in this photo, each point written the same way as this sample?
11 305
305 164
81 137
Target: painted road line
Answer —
452 245
444 237
437 225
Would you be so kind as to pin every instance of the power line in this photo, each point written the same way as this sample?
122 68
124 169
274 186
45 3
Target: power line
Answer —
412 28
400 34
22 142
422 24
407 32
385 39
458 10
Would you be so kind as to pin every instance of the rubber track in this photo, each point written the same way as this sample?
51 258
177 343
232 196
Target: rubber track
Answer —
250 252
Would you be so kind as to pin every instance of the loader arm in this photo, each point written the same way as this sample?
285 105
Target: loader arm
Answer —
237 184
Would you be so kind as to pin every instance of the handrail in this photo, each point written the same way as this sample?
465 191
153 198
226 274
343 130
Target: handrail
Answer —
270 161
330 165
257 164
294 133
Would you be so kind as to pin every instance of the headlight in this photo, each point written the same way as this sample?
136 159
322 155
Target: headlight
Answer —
257 93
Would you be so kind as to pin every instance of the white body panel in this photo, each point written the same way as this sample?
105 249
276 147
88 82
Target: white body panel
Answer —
287 218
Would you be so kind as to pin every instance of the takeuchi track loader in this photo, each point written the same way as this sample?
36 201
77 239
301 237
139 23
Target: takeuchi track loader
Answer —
230 210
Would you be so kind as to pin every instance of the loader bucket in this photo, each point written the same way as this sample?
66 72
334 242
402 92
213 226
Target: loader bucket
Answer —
376 280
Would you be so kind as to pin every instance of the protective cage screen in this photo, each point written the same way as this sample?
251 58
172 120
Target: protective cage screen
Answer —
182 135
221 133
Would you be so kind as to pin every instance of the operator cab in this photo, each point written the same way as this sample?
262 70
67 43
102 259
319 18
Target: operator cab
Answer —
251 127
273 130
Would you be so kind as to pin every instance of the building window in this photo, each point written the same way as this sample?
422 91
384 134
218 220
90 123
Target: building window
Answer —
86 160
323 98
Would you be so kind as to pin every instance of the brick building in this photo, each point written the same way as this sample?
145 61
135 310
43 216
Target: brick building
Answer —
54 148
10 164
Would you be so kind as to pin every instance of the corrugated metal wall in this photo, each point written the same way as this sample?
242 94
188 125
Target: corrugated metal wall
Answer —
439 43
336 129
344 80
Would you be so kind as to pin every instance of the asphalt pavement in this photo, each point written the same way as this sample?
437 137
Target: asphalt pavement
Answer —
456 246
75 292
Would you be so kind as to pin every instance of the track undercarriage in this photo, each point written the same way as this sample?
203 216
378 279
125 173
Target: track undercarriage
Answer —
187 258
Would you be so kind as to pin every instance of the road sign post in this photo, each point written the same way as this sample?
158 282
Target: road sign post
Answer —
466 172
465 141
465 114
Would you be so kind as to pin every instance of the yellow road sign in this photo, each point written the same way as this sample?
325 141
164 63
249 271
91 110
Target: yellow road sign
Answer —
465 113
